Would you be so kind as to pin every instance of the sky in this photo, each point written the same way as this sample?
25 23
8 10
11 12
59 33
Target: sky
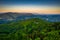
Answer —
33 6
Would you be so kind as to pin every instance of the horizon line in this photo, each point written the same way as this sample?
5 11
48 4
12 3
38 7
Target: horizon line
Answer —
32 13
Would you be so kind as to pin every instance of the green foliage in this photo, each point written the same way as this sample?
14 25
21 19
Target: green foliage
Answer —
31 29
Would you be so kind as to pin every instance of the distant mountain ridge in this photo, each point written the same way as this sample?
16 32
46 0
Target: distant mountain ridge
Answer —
10 16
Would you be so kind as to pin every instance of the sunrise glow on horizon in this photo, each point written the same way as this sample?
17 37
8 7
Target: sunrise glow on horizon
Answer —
34 9
50 7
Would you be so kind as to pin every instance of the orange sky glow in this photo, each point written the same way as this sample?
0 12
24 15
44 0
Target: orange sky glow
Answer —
32 9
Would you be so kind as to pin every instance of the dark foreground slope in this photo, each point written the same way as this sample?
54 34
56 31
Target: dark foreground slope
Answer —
31 29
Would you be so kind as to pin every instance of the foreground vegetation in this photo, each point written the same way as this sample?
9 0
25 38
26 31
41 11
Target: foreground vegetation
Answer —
31 29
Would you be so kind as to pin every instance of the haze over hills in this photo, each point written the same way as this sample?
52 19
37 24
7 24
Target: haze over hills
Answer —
10 16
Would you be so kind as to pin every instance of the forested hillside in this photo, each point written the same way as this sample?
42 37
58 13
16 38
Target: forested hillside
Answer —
31 29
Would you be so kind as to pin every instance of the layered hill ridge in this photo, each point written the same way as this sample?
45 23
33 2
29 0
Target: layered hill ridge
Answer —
12 16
